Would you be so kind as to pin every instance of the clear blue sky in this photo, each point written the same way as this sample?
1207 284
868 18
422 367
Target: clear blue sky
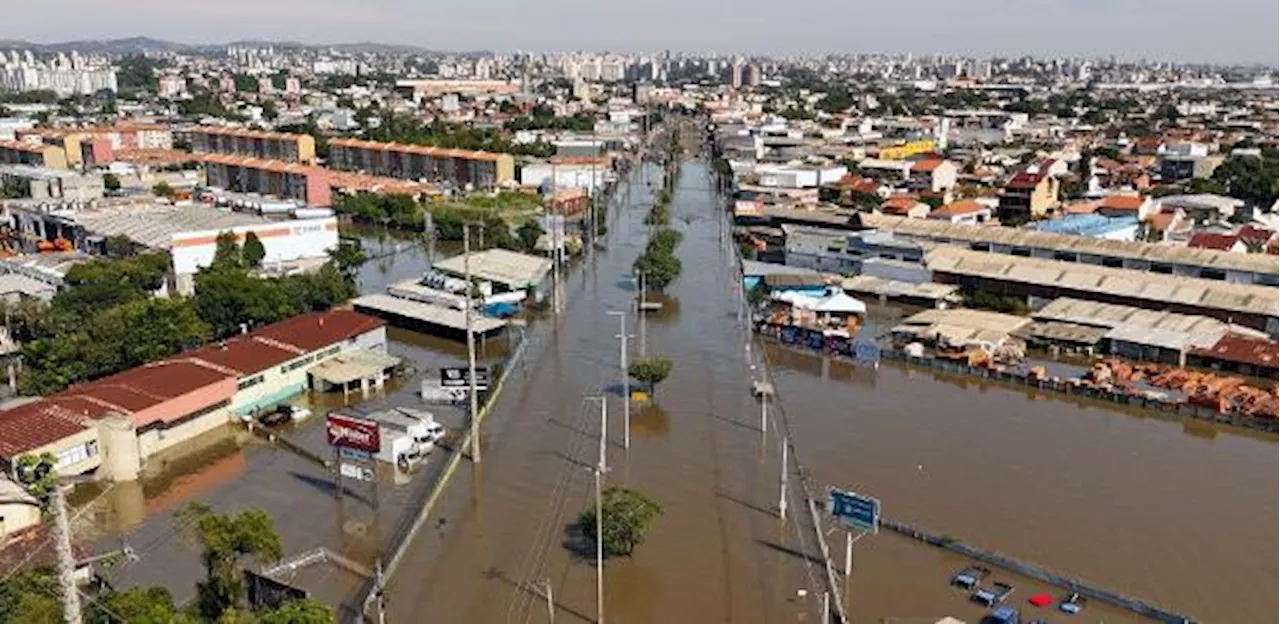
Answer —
1182 30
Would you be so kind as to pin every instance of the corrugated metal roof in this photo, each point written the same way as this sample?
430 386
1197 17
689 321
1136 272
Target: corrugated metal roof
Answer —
1160 288
996 235
511 268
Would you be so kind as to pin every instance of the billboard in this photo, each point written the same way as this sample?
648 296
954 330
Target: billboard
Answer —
855 510
457 377
345 431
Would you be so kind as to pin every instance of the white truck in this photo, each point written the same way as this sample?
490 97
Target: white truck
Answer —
408 436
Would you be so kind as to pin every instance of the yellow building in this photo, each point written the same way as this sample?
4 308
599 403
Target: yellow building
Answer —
906 150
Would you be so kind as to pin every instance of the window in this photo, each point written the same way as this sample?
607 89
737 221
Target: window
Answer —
1113 262
1213 274
1020 251
1167 269
250 382
76 454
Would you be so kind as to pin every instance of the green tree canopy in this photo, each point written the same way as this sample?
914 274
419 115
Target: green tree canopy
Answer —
162 189
625 518
225 540
1250 178
253 251
652 371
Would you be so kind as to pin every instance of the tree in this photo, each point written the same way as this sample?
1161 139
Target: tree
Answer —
140 605
269 111
253 251
348 257
111 182
36 473
162 189
1250 178
659 270
625 517
225 540
528 234
30 597
227 250
298 612
651 371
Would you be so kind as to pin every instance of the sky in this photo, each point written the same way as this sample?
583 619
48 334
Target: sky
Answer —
1224 31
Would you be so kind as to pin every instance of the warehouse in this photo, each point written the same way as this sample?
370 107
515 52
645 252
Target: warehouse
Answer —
1136 333
510 271
113 425
1157 259
188 232
1035 280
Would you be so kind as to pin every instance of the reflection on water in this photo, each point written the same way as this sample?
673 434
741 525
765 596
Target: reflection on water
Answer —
649 420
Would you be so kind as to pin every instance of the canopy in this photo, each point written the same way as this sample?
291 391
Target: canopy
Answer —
841 303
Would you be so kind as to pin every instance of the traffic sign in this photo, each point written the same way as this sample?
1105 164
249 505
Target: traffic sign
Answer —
355 471
855 510
354 454
456 377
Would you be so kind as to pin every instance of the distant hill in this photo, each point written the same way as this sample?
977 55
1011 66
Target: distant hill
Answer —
139 45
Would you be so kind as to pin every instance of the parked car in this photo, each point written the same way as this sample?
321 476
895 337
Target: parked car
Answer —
992 596
1072 604
969 577
1003 615
282 414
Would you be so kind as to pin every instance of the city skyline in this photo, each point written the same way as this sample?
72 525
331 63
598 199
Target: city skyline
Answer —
1228 32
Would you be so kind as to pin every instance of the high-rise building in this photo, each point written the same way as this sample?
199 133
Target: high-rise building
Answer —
735 75
754 75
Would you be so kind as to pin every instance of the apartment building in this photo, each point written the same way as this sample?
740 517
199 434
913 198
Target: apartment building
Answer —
24 153
95 145
1026 197
437 165
283 146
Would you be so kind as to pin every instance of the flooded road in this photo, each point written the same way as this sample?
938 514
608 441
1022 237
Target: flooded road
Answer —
717 554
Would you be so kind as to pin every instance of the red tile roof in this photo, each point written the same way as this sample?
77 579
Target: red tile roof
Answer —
1025 180
36 424
32 548
1212 240
314 330
244 354
1122 202
957 208
925 166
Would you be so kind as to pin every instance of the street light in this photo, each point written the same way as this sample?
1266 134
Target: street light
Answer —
626 378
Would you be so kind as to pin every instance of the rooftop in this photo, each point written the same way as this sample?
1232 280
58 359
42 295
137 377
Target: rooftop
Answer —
513 269
154 225
1155 287
964 234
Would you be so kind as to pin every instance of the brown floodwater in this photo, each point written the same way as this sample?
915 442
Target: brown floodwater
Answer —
1180 514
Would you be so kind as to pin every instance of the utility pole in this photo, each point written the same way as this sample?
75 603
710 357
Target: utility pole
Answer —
644 343
551 604
66 559
782 495
471 346
601 467
556 227
429 227
626 377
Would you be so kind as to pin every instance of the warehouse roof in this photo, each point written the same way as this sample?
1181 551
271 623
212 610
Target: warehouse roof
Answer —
1155 287
1243 349
154 226
424 150
426 312
961 326
513 269
962 233
36 424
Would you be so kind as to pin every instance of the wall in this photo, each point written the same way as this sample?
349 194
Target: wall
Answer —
177 408
161 437
16 517
88 438
278 386
284 241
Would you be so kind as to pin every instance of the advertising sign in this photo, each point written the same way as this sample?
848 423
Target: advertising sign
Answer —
346 431
855 510
457 377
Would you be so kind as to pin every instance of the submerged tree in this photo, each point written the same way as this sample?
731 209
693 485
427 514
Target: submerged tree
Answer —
225 540
625 517
651 371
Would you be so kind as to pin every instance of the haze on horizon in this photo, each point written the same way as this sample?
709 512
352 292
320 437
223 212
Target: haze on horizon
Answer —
1222 31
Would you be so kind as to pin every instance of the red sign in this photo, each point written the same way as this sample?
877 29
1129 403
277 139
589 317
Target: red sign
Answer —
352 432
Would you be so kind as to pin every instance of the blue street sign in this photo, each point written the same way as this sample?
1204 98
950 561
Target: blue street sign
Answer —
866 351
855 510
354 454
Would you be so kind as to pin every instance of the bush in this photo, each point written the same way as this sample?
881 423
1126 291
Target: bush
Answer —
625 517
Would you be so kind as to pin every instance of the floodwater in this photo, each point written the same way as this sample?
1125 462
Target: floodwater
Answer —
1180 514
717 553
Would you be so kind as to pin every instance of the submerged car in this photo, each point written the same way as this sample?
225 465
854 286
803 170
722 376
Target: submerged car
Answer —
969 577
991 596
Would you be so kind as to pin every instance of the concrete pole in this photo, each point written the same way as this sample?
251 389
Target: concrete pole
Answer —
644 342
66 559
471 347
599 471
551 604
826 607
626 377
848 553
379 580
782 495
